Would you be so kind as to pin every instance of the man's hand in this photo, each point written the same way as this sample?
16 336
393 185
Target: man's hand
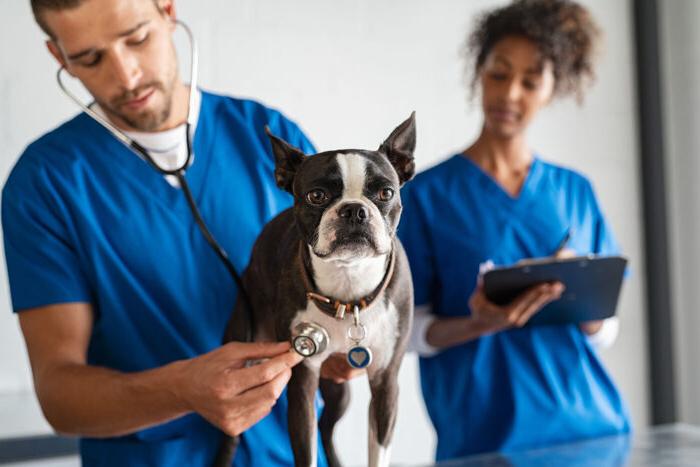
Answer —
218 386
337 369
88 400
491 317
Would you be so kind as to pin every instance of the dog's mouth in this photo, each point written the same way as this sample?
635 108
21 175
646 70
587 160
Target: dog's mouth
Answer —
351 242
352 237
356 237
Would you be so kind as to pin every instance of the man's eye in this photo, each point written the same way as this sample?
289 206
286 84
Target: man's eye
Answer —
140 40
94 61
385 194
317 197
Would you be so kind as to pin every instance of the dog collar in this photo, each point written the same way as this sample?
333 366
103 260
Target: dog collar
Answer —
336 308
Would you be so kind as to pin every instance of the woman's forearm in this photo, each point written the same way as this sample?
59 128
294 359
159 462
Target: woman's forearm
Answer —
448 332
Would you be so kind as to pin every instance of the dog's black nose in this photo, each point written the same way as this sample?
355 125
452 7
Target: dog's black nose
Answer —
354 212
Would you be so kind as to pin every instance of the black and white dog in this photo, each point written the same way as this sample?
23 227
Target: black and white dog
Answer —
332 264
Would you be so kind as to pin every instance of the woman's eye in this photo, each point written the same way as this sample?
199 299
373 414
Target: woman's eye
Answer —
529 85
385 194
317 197
498 76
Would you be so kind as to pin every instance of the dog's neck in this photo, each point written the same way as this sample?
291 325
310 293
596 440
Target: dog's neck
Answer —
348 280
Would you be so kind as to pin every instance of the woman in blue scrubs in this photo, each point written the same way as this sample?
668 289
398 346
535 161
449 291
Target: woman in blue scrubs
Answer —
491 383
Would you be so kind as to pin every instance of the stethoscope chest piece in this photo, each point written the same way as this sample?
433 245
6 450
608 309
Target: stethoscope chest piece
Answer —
309 339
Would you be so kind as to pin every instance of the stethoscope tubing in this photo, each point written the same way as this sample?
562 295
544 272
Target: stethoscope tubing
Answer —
178 172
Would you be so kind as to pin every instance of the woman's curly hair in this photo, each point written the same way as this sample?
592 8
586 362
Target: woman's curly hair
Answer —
563 31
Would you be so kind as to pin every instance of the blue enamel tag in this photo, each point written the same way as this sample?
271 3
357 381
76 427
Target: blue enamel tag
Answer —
359 357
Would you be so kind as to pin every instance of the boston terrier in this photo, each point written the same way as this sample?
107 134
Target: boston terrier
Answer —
330 275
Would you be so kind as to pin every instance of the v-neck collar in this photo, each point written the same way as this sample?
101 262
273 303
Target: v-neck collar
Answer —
120 159
487 182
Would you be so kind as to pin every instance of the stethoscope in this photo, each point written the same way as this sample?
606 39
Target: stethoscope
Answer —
178 172
309 338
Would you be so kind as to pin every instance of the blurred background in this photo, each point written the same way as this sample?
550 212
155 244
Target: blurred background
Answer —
349 71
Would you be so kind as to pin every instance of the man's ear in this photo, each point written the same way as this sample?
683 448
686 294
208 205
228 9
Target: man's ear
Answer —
57 54
399 148
287 161
167 8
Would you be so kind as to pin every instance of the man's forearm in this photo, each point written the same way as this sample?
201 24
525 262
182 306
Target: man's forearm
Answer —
98 402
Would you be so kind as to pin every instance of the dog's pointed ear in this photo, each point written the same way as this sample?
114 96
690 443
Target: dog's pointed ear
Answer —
287 161
399 148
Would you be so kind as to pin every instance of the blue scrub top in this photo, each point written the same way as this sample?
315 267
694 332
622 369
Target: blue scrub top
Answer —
87 220
520 388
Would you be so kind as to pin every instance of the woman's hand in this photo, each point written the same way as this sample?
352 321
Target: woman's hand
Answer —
588 327
492 318
591 327
337 369
565 253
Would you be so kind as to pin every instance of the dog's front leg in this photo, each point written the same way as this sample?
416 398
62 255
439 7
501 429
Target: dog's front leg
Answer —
301 415
382 413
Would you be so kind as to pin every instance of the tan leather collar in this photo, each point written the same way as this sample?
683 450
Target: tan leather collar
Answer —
330 305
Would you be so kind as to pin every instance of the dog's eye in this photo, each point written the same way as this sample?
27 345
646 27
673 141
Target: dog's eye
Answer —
317 197
385 194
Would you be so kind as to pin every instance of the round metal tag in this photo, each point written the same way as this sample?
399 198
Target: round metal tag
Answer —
359 357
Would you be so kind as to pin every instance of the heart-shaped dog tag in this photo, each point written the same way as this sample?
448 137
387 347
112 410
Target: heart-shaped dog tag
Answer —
359 357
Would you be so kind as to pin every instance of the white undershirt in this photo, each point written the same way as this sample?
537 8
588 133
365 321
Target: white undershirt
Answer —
167 148
423 318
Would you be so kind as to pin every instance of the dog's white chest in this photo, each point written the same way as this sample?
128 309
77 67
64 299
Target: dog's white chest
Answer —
380 322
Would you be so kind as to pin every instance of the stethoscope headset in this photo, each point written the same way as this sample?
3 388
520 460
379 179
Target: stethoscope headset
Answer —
178 172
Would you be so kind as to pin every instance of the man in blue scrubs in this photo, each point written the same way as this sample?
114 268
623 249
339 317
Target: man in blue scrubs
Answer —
121 301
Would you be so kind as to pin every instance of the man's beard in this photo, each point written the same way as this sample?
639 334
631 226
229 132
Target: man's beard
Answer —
146 120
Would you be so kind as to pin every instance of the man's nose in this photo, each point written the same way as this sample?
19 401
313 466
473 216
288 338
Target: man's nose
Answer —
126 70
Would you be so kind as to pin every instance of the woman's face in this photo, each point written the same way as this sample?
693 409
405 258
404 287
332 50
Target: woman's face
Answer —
516 82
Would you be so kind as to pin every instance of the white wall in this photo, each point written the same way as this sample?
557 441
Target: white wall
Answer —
349 72
681 80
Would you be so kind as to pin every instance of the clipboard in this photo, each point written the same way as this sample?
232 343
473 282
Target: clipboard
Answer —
592 284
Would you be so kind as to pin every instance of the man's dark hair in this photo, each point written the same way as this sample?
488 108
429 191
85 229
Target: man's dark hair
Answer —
39 6
563 31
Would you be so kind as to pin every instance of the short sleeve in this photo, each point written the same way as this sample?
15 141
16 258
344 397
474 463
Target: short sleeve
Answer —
415 238
289 131
604 241
42 264
299 139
